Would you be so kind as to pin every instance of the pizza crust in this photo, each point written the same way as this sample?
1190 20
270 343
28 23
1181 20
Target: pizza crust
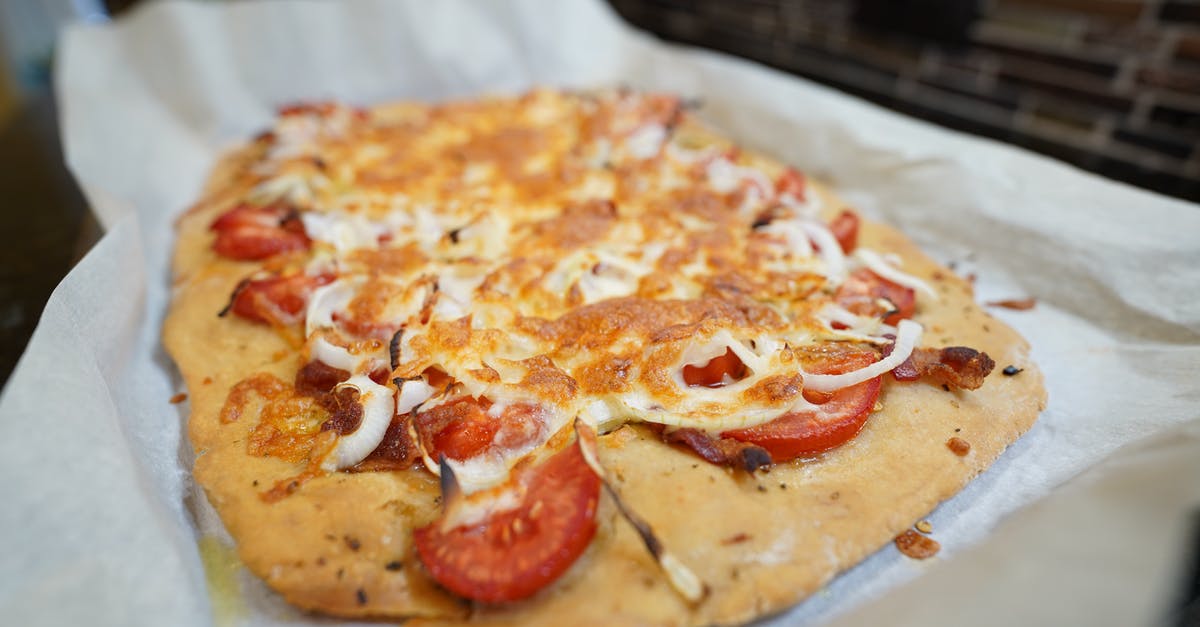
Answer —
342 543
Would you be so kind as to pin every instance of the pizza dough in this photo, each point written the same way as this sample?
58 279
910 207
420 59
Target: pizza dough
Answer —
341 543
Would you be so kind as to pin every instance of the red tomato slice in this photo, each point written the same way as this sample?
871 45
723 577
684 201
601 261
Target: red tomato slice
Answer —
791 182
356 326
661 108
463 428
861 291
713 374
249 233
845 228
278 300
511 554
835 420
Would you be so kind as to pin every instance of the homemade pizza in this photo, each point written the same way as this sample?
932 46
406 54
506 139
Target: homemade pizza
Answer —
566 356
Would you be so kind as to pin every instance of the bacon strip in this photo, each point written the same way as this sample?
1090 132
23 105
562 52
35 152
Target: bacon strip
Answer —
396 452
955 367
317 378
720 451
1018 304
346 413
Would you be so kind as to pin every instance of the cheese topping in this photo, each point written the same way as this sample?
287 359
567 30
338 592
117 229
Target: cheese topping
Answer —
574 252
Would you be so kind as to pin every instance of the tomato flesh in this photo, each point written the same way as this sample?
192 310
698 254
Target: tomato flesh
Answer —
276 300
835 420
845 229
511 554
861 291
250 233
719 371
464 428
791 182
358 327
661 108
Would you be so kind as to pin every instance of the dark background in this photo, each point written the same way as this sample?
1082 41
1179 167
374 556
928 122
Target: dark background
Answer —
1112 86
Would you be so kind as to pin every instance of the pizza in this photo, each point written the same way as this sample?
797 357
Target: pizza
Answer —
566 356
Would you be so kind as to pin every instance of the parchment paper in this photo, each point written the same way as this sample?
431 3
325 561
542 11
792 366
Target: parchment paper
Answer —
99 522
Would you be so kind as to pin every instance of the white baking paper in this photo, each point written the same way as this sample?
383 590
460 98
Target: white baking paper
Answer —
100 522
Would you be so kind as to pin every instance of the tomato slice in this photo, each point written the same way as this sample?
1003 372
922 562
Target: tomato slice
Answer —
279 300
661 109
836 419
250 233
719 371
464 427
358 327
791 182
460 429
511 554
845 229
861 291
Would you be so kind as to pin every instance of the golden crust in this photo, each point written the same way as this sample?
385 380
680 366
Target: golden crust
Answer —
342 543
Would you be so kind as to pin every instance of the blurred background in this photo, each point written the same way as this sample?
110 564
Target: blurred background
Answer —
1111 86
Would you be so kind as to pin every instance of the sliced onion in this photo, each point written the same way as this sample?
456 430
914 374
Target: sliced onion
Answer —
879 266
794 234
689 156
682 579
907 336
378 407
460 510
722 175
412 393
832 312
809 207
646 142
327 299
831 250
344 231
333 355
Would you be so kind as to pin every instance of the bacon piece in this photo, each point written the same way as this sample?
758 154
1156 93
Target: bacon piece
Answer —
319 108
346 413
916 545
721 451
665 109
395 452
1018 304
956 367
317 378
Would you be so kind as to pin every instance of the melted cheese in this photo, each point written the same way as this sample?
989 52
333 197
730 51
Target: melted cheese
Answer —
565 250
344 232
